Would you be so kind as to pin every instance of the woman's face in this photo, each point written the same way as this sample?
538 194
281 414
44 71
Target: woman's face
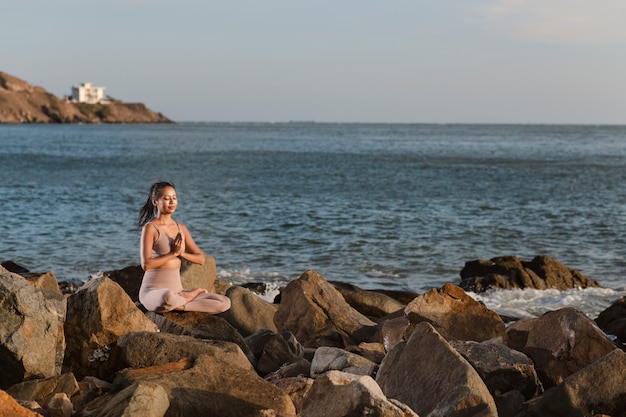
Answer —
167 202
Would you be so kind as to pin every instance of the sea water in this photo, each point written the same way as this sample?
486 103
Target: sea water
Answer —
394 206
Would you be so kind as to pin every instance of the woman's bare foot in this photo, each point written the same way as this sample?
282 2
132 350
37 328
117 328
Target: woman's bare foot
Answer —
189 295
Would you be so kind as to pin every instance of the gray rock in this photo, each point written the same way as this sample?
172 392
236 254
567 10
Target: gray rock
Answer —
433 379
32 340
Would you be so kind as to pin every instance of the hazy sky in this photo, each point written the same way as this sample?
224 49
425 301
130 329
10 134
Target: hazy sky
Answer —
441 61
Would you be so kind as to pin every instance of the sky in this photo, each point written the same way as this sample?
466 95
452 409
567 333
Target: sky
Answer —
398 61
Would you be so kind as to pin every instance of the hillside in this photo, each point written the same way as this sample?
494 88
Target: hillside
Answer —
21 102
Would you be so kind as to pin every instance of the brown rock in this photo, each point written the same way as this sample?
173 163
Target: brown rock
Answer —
329 358
213 387
597 389
559 343
500 367
297 388
318 315
509 272
455 315
273 350
42 390
338 393
97 315
146 349
41 280
249 312
32 341
367 302
201 326
11 408
613 321
432 378
138 399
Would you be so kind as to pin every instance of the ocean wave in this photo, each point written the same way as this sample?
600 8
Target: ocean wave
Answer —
529 303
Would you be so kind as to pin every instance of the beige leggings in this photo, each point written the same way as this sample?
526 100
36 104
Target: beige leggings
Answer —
160 290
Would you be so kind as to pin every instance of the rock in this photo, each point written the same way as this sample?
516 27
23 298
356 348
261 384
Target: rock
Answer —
329 358
97 315
500 367
559 343
201 326
41 280
338 393
296 368
11 408
613 321
375 352
368 303
432 378
211 386
32 341
249 312
297 388
146 349
42 390
596 389
509 272
273 350
455 315
394 331
138 399
90 388
60 405
318 315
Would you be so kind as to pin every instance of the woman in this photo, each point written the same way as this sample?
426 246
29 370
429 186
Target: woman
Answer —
164 242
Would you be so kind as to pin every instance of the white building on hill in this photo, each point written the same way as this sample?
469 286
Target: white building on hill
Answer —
86 93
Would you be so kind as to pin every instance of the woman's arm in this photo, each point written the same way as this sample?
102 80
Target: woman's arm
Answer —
148 237
191 251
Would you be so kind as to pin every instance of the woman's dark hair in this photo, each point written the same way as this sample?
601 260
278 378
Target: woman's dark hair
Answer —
149 210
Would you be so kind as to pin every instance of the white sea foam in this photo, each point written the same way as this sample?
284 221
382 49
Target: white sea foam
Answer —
526 303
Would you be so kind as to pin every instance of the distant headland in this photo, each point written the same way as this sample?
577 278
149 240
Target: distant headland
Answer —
21 102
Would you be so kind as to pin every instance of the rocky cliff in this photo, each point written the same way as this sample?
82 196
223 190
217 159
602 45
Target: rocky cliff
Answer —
21 102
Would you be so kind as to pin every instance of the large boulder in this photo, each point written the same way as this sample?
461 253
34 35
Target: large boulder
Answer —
317 314
272 350
146 349
97 315
595 390
455 315
11 408
138 399
338 393
500 367
32 340
249 312
613 320
559 343
41 280
208 386
510 272
433 379
201 326
368 302
42 390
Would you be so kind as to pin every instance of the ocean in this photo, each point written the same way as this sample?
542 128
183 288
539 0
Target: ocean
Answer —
393 206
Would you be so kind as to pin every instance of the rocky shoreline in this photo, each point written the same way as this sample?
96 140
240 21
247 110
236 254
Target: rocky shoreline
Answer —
321 349
21 102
